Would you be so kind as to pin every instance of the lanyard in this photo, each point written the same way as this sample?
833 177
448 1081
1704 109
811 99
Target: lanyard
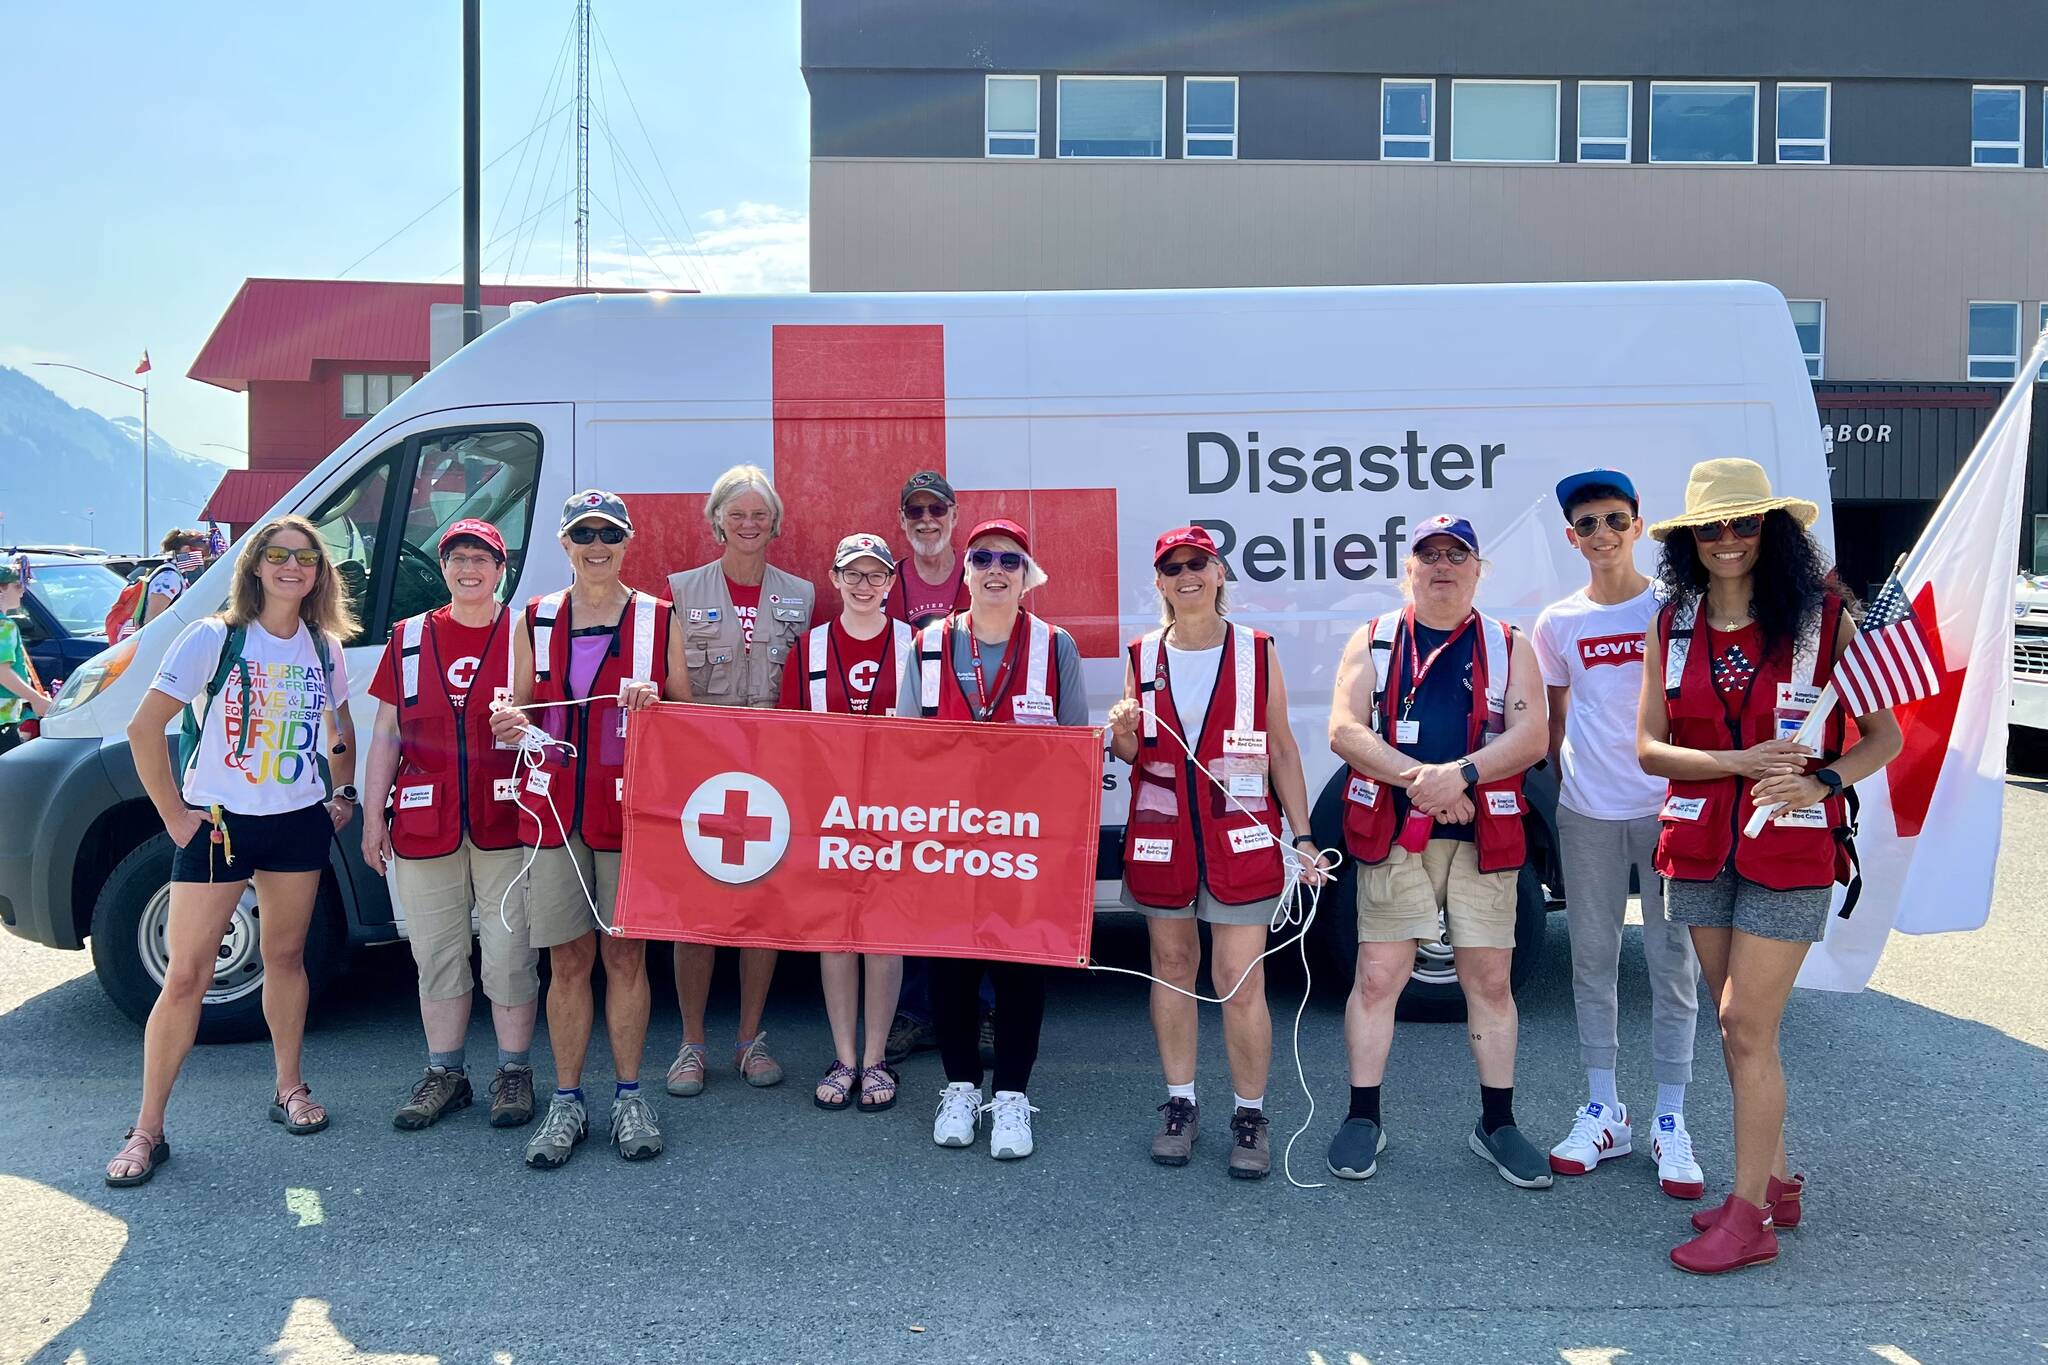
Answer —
984 703
1418 667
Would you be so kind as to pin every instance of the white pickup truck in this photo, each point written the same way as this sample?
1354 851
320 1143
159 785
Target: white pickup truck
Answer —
2030 660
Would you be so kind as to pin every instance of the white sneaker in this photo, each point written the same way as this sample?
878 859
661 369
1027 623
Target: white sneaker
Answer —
1677 1172
959 1114
1599 1133
1009 1132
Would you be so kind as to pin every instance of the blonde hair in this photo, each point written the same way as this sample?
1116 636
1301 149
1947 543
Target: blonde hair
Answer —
741 478
1034 575
1166 604
325 609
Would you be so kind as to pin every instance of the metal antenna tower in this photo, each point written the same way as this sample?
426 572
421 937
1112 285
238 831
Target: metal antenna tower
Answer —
582 142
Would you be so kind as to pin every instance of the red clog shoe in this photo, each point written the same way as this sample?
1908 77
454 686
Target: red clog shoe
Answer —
1784 1201
1741 1237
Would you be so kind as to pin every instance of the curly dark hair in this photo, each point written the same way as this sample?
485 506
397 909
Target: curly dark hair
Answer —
1792 578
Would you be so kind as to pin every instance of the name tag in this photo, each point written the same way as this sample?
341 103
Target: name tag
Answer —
501 696
1250 839
1245 784
1502 803
1806 817
1683 808
1244 742
505 789
1151 850
1363 791
1407 732
412 798
1794 705
795 613
1030 710
537 781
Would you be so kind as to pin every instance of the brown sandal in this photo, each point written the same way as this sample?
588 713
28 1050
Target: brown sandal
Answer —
877 1081
141 1151
298 1111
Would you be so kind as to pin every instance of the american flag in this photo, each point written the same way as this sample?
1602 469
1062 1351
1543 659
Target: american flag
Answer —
1733 670
1887 663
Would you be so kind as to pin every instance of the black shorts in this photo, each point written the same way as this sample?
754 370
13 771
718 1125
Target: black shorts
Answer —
295 841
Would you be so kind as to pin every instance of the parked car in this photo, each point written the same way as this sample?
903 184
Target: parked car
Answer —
63 616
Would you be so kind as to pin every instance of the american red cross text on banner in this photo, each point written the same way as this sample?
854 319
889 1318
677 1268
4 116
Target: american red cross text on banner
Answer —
787 829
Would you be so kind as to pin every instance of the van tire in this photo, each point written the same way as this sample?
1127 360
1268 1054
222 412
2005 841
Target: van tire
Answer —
139 889
1428 1001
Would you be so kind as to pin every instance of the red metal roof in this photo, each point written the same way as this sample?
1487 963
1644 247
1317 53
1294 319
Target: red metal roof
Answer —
245 496
276 329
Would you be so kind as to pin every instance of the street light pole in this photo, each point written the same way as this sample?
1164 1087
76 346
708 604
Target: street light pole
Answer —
142 389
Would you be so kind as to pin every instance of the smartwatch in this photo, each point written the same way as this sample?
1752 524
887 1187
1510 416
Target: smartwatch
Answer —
348 794
1830 779
1469 770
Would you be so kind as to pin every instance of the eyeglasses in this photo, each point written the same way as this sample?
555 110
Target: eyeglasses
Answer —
1192 564
1745 528
277 554
874 578
461 561
925 511
1613 521
1010 560
610 535
1457 555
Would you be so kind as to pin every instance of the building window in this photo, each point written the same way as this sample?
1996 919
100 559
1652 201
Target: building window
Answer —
1995 125
1810 321
1012 117
1803 117
1695 124
1504 120
365 395
1112 116
1994 341
1211 116
1407 120
1604 108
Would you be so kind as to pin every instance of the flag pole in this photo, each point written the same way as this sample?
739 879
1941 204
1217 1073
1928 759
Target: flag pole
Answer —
144 547
2021 392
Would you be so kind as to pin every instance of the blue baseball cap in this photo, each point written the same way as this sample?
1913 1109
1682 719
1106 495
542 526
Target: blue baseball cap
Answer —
1457 528
596 504
1571 485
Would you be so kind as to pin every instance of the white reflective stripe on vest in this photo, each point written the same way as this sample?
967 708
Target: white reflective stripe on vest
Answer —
817 654
643 640
409 658
933 648
1247 679
1495 635
1384 630
1679 647
905 637
1041 649
1148 681
544 613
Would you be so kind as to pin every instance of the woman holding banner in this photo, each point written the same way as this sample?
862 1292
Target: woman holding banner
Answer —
1749 637
740 618
1203 724
843 667
996 663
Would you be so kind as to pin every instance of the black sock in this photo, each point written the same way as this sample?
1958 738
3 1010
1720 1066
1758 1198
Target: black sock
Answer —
1496 1108
1365 1102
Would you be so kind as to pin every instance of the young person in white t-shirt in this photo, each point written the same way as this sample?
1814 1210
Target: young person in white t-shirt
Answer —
258 800
1590 646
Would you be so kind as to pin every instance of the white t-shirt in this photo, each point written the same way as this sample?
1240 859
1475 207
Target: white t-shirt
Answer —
1597 651
278 768
1192 675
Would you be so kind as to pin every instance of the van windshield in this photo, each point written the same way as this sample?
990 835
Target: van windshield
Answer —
78 595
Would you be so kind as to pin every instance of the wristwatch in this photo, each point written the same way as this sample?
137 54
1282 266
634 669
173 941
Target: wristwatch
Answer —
348 794
1830 779
1469 770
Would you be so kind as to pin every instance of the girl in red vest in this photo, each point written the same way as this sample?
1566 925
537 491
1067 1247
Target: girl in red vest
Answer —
1754 622
1190 851
853 665
998 664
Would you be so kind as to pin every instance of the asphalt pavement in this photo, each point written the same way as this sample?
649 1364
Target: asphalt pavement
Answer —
771 1231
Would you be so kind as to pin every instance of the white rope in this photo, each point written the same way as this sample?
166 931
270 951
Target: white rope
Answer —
534 743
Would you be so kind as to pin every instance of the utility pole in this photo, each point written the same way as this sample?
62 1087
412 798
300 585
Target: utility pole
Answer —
472 172
583 143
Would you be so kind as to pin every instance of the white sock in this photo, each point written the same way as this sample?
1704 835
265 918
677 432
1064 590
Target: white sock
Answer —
1600 1084
1243 1103
1670 1100
1181 1092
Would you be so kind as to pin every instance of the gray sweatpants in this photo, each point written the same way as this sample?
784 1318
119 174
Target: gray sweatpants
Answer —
1597 856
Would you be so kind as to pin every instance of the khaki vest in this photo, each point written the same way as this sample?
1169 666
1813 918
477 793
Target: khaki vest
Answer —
722 671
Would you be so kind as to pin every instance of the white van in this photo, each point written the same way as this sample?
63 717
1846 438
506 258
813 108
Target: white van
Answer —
1306 428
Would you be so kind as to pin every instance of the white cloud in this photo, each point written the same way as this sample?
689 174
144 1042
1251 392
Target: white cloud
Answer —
749 248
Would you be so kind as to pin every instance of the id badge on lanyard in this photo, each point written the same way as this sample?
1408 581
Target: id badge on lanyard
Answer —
1794 705
1406 729
1243 767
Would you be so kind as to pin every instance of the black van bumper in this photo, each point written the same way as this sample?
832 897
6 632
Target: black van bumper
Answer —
51 792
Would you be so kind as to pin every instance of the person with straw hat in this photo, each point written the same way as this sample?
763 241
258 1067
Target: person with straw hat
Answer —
1736 658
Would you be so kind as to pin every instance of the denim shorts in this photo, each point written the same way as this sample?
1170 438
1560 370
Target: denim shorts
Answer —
1733 902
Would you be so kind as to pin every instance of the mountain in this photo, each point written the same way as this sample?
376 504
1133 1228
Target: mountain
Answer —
56 461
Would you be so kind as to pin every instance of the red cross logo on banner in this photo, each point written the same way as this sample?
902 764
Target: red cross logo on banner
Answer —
857 411
736 827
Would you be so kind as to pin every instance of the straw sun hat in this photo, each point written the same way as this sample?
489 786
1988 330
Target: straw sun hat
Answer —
1722 490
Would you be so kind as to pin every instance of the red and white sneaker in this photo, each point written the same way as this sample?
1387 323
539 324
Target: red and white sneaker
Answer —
1677 1171
1599 1133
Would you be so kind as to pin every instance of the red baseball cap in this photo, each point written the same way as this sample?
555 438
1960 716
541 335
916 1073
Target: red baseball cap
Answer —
476 528
1001 526
1179 536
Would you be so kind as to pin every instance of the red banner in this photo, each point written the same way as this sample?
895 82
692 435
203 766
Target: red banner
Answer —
788 829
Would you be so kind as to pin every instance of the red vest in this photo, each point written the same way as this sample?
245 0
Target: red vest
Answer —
825 680
588 789
453 776
1184 832
1026 684
1501 842
1702 820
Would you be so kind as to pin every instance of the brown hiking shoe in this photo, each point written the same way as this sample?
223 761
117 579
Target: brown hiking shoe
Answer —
439 1091
1251 1155
512 1097
1176 1136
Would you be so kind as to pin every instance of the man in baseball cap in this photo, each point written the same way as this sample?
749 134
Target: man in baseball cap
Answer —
594 504
931 584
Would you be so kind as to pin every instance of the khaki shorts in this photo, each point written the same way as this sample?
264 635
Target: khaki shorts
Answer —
1402 897
556 903
439 895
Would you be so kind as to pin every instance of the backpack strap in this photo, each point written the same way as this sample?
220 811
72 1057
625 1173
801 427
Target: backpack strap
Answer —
817 658
1845 835
194 724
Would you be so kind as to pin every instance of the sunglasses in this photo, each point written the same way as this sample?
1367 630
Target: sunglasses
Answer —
610 535
874 578
277 554
1010 560
925 511
1192 564
1613 521
1457 555
1745 528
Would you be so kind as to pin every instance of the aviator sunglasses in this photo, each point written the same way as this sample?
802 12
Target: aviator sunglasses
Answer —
610 535
278 554
1193 563
1745 528
925 511
1613 521
1010 560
